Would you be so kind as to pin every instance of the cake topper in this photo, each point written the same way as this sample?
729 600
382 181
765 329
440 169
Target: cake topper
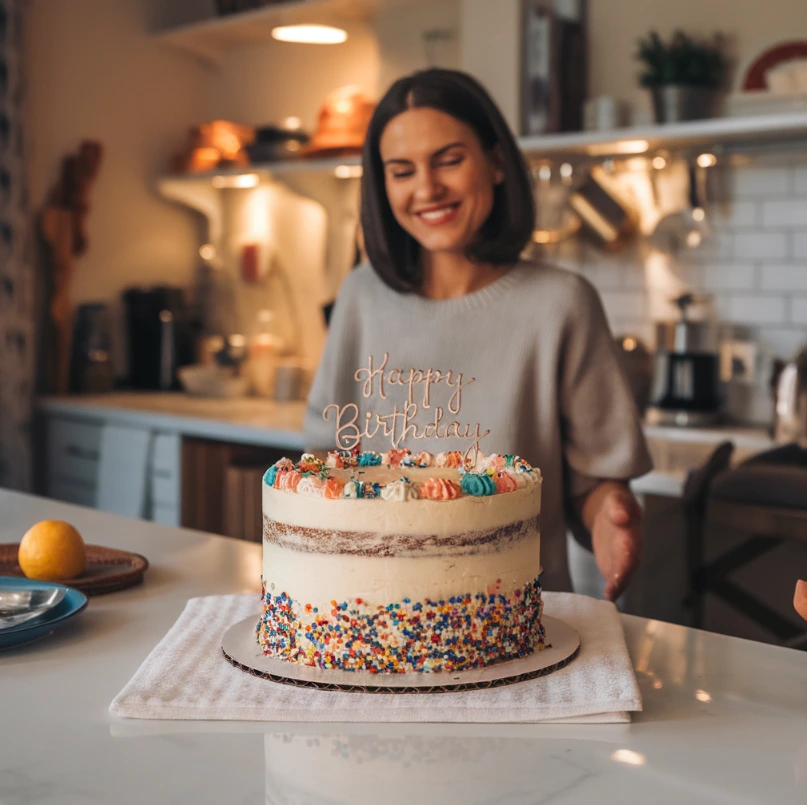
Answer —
399 425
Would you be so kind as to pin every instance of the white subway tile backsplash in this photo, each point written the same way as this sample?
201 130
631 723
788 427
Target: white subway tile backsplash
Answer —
783 342
783 277
606 275
624 304
759 181
798 311
783 214
754 309
735 214
733 277
800 180
753 266
760 246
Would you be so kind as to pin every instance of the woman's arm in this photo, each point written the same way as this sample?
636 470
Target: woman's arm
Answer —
613 517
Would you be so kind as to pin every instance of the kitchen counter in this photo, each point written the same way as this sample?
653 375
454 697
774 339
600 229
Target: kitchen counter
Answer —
256 421
724 720
247 420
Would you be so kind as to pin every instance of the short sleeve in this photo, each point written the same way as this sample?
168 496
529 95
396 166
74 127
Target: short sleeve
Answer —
602 430
333 381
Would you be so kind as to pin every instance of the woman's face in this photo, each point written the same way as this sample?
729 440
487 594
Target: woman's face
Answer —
439 179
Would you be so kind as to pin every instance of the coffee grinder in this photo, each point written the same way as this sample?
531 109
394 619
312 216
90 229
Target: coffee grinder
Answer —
686 371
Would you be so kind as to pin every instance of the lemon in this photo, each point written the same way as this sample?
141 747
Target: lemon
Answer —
52 550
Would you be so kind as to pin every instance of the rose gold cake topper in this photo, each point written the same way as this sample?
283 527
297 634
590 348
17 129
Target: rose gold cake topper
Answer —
399 425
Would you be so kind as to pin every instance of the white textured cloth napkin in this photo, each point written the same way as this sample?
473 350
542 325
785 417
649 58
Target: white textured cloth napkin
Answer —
187 677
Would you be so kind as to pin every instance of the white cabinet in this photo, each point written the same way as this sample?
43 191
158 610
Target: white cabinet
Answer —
73 457
86 465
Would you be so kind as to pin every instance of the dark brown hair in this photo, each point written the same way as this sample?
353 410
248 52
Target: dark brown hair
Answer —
393 252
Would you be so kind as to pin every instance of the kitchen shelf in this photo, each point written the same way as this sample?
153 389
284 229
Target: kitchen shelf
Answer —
210 39
723 131
736 132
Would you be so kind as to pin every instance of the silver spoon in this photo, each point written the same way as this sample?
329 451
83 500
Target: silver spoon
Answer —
24 604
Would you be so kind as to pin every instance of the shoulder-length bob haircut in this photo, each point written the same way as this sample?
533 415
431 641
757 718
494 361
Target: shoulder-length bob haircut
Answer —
393 252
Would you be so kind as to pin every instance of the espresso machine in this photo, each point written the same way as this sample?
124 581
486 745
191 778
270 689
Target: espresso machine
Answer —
686 370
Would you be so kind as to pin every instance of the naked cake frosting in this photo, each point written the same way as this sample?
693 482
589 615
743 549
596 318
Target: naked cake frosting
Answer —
401 562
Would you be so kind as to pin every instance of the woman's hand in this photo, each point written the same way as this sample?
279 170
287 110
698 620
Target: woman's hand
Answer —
614 517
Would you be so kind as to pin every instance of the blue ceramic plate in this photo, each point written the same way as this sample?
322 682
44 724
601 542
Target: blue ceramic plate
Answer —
72 603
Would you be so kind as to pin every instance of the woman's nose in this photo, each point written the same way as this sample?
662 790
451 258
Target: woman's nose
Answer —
428 187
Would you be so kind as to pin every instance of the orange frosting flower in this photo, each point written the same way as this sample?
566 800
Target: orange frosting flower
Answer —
334 489
288 480
505 482
439 489
394 457
311 465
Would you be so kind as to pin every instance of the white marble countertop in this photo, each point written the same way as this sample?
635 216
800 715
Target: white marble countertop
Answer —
248 420
724 720
257 421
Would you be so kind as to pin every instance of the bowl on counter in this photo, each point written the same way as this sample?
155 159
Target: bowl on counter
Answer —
205 380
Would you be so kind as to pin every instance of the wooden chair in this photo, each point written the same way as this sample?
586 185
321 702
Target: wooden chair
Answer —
765 500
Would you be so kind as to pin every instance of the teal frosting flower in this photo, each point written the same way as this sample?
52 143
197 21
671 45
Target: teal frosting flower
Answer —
270 475
369 459
477 484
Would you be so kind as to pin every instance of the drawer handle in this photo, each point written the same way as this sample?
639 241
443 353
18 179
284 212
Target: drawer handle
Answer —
82 452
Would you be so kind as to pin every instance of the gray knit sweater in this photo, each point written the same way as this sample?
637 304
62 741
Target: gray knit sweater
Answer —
531 360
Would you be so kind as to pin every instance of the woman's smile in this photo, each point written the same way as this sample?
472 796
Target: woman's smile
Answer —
439 215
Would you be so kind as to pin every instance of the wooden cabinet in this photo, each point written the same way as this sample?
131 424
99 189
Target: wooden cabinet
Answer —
221 486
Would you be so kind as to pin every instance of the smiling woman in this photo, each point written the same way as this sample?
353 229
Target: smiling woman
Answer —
447 303
442 163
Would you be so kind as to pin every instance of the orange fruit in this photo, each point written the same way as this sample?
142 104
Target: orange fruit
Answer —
52 550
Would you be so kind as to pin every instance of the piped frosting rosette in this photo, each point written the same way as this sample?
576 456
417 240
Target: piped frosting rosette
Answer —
492 474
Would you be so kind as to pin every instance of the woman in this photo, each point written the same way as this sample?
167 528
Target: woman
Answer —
523 350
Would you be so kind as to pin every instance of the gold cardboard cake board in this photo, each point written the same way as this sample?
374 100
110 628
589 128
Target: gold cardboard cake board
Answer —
240 648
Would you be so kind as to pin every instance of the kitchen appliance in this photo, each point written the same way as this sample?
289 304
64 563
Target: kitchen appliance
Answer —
160 333
686 371
790 412
91 369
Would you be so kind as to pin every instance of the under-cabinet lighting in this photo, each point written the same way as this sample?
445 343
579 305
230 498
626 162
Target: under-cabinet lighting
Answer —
310 34
347 171
707 160
544 173
698 214
238 180
703 696
620 147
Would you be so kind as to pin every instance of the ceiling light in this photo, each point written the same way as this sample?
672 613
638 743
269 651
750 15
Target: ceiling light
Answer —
703 696
309 34
698 214
707 160
292 123
239 180
207 252
659 163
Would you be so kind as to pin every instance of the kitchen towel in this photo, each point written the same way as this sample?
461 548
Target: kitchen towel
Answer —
187 677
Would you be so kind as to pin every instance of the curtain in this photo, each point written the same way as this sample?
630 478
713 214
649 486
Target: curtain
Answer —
16 262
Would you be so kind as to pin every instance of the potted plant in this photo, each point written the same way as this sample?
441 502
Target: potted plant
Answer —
684 75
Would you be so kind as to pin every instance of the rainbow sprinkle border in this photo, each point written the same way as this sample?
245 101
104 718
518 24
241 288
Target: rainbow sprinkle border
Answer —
461 633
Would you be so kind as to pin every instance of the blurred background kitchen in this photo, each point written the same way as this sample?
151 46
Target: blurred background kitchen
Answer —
178 207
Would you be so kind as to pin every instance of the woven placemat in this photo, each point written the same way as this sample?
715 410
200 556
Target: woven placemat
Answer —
108 569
